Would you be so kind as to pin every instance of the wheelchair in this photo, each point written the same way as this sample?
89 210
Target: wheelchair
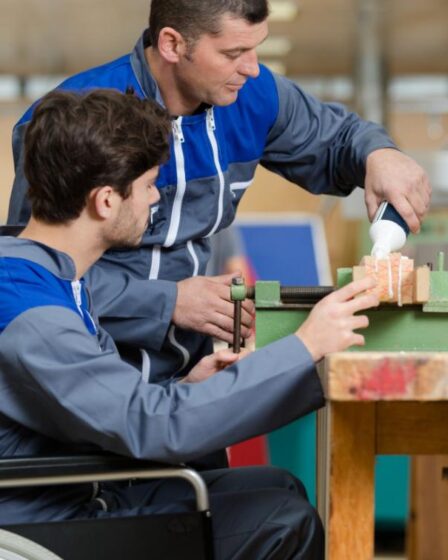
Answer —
173 536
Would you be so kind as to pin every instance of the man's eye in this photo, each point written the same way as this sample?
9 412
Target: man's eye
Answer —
233 56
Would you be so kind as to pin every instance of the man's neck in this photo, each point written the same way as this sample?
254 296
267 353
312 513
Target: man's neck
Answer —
163 73
83 247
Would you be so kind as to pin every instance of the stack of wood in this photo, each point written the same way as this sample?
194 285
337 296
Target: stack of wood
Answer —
397 280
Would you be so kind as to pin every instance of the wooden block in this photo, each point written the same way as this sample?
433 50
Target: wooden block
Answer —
428 537
421 284
359 272
394 276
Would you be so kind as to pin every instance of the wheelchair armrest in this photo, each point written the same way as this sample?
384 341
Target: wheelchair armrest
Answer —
65 465
77 469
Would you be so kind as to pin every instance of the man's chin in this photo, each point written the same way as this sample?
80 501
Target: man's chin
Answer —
226 98
126 243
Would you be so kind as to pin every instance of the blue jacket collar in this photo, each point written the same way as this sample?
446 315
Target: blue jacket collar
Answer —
142 71
58 263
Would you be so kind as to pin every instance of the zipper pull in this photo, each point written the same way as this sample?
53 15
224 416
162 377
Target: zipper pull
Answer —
211 119
177 130
76 287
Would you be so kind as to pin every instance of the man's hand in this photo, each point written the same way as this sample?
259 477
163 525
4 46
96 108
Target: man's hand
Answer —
331 324
210 365
204 305
395 177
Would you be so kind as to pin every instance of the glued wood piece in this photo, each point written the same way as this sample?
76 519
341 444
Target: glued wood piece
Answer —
359 272
394 276
421 284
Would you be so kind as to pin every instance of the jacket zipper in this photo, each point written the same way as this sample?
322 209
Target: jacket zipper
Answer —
179 139
211 127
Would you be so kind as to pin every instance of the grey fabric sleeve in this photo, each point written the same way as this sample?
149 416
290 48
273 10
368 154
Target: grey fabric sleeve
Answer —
56 381
320 146
133 311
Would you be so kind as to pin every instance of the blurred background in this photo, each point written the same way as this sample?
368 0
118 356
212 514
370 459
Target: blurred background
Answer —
386 59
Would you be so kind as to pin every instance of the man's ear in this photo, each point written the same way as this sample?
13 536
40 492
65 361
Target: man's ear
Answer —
171 45
103 201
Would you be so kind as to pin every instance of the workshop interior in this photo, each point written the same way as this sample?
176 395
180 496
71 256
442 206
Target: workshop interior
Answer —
388 61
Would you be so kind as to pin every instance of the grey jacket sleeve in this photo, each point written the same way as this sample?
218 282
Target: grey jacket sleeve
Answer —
320 146
133 311
56 381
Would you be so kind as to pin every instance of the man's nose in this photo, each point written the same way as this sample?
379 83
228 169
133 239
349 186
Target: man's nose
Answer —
249 64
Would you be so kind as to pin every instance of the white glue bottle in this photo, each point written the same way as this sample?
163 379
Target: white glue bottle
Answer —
388 231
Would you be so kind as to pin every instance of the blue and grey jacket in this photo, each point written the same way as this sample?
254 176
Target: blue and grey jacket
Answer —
319 146
64 387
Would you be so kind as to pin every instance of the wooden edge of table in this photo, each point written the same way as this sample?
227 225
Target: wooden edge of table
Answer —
388 376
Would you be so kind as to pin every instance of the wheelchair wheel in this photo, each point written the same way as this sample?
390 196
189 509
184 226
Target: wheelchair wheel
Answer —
15 547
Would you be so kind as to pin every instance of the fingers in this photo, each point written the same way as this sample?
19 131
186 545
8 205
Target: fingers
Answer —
214 307
353 289
357 340
225 357
225 279
414 204
244 352
219 324
360 303
372 203
397 178
249 306
247 320
221 313
221 288
359 322
409 213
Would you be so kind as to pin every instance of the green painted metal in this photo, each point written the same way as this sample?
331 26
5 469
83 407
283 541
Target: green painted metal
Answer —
438 288
267 294
391 329
344 276
238 292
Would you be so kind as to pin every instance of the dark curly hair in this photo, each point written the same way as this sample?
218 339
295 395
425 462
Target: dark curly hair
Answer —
78 141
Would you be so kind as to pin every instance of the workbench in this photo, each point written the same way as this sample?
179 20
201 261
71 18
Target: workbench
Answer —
386 398
377 403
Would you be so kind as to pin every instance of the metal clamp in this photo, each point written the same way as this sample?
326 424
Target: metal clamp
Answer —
238 294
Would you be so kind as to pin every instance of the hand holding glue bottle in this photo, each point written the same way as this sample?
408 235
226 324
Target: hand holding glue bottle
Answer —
388 231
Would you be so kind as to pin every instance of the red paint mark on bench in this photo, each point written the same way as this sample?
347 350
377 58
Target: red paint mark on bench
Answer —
388 379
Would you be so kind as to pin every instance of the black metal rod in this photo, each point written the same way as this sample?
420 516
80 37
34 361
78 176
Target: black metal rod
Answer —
298 294
237 327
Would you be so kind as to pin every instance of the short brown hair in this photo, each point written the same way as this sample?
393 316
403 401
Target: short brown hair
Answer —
78 141
193 18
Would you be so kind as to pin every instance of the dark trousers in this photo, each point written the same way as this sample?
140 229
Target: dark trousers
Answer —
258 513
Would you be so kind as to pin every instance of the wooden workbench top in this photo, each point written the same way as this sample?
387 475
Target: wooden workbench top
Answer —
386 376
